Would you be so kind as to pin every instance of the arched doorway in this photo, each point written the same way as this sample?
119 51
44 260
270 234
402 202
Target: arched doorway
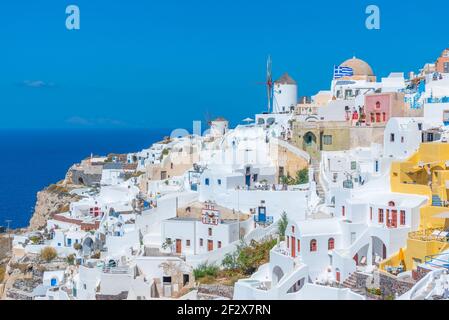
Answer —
277 275
379 251
310 143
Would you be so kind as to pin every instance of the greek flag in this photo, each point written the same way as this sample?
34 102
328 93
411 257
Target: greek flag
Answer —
340 72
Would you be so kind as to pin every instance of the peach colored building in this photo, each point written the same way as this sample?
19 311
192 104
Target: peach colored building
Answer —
442 64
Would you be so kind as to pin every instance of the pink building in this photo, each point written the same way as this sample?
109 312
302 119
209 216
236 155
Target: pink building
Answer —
380 107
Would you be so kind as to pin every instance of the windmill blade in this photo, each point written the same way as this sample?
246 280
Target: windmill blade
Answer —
269 83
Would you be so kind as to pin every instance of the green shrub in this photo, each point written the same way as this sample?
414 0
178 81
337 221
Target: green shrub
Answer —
71 259
302 176
206 270
248 258
35 239
48 254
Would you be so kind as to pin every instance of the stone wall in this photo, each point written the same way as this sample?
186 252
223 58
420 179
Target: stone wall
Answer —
360 280
420 273
217 290
391 285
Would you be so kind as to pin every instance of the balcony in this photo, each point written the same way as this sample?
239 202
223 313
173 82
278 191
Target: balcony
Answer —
430 235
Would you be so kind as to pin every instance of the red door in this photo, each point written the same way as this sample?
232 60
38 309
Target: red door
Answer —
377 117
293 247
394 218
210 245
337 276
356 259
178 246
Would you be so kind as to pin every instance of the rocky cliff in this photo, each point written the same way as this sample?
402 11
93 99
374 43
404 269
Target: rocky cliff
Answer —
54 199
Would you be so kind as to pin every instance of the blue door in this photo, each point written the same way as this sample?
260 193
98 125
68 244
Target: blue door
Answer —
248 180
53 282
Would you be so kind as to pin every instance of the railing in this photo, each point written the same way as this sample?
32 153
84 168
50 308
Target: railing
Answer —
115 270
428 235
433 260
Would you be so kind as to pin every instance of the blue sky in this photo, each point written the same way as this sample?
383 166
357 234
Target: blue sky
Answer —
162 64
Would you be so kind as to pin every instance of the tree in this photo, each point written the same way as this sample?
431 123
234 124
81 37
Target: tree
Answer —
230 260
168 244
282 224
48 254
302 176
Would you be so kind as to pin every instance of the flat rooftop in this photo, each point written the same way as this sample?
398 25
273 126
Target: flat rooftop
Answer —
194 211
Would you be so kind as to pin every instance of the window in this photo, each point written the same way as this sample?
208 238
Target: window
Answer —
219 182
188 243
209 232
402 218
219 244
331 244
378 105
343 211
377 116
299 245
206 181
381 215
166 279
391 137
371 213
313 246
293 229
402 139
384 116
419 126
327 139
201 242
353 237
353 165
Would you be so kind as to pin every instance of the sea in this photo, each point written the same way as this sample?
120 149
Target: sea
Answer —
30 160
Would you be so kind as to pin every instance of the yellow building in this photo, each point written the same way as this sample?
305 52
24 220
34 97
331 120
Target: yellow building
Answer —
425 173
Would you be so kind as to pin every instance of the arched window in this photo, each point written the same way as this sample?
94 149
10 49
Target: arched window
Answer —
391 204
331 244
313 245
293 229
378 105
